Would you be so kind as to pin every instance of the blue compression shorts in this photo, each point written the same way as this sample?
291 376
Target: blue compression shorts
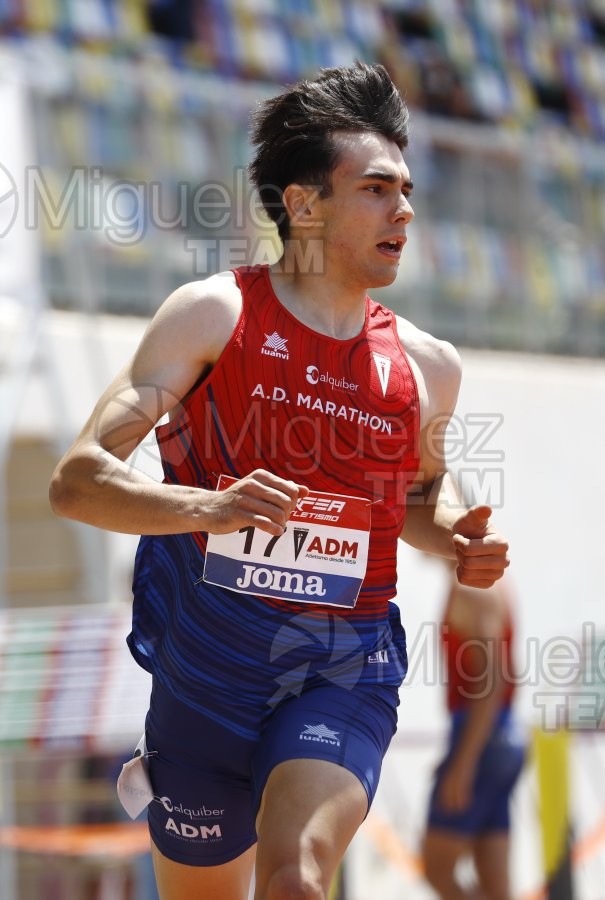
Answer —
499 767
208 781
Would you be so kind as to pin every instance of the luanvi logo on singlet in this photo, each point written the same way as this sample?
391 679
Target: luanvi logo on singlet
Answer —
383 367
275 345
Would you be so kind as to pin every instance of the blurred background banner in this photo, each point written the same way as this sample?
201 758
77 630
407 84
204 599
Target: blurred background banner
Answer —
123 153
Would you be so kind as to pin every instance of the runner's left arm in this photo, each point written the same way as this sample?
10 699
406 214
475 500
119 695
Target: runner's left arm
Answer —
438 520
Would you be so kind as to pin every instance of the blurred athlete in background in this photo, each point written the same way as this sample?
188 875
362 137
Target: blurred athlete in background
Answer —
469 812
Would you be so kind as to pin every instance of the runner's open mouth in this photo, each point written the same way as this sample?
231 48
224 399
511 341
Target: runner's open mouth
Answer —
392 246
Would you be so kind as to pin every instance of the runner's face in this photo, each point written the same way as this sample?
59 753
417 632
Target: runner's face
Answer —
366 215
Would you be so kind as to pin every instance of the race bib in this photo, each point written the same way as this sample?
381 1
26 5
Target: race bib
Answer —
321 557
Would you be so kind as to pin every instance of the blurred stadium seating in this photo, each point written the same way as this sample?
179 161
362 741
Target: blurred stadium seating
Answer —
125 141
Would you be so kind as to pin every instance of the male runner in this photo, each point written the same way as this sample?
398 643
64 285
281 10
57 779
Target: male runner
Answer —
262 599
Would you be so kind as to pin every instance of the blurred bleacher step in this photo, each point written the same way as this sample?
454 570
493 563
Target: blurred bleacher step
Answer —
45 565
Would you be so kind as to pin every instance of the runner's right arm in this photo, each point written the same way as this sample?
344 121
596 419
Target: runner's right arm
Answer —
94 483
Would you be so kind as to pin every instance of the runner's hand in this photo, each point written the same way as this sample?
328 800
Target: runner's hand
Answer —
260 499
481 551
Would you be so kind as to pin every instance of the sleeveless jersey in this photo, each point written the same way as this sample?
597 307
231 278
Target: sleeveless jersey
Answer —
339 416
466 664
335 415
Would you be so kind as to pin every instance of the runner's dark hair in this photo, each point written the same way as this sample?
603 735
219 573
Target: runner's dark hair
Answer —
293 132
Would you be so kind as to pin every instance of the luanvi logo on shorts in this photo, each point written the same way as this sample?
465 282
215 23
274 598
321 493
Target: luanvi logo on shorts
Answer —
320 734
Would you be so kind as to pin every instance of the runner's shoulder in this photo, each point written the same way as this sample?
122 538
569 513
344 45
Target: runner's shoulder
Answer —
202 314
218 294
431 354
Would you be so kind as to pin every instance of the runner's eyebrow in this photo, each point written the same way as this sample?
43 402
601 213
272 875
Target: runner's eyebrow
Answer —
389 177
